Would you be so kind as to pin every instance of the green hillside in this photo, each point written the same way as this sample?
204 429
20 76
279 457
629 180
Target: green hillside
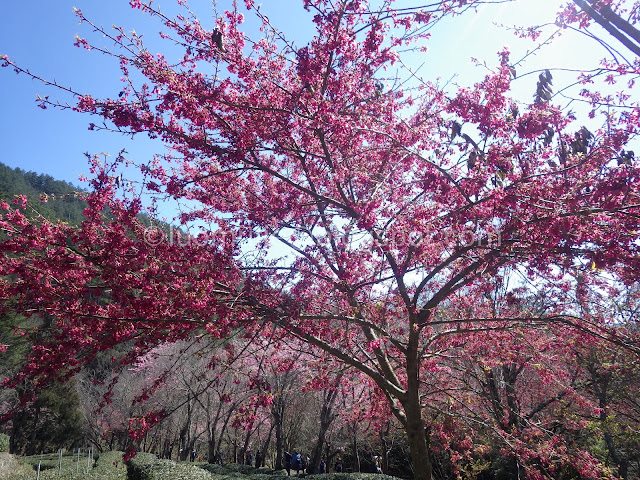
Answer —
62 200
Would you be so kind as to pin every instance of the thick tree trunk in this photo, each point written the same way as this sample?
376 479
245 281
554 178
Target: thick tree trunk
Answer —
327 415
16 427
167 449
247 440
383 444
31 446
602 385
317 451
211 451
235 446
417 438
621 463
278 413
416 432
263 450
354 446
212 425
185 432
225 425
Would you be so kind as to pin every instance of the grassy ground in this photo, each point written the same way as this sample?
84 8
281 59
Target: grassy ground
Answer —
10 465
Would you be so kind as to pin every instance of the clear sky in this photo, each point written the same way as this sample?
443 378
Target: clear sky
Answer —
39 35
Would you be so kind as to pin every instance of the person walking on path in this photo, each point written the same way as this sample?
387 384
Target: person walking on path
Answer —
287 462
297 463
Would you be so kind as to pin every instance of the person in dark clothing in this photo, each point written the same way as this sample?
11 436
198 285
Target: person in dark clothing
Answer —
322 468
258 459
338 466
287 462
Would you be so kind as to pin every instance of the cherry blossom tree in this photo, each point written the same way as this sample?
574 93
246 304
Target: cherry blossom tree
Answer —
351 205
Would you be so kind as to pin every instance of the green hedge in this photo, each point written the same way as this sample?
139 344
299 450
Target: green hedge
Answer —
109 466
233 471
4 442
236 471
106 466
145 466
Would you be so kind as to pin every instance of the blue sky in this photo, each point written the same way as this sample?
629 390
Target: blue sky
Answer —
39 35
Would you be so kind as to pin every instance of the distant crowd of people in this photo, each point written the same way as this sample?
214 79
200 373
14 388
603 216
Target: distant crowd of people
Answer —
301 463
249 459
293 461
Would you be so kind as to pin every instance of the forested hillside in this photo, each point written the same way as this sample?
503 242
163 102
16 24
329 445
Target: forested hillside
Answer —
59 199
55 419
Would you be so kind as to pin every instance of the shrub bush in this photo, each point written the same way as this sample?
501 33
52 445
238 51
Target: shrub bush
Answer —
4 442
139 464
145 466
233 471
148 467
108 466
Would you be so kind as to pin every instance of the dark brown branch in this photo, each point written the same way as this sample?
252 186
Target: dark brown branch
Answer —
608 26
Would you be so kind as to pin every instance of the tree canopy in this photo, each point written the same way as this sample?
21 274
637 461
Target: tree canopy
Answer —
425 238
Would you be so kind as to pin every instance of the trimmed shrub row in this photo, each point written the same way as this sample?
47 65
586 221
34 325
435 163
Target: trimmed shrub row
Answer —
4 442
236 472
107 466
145 466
